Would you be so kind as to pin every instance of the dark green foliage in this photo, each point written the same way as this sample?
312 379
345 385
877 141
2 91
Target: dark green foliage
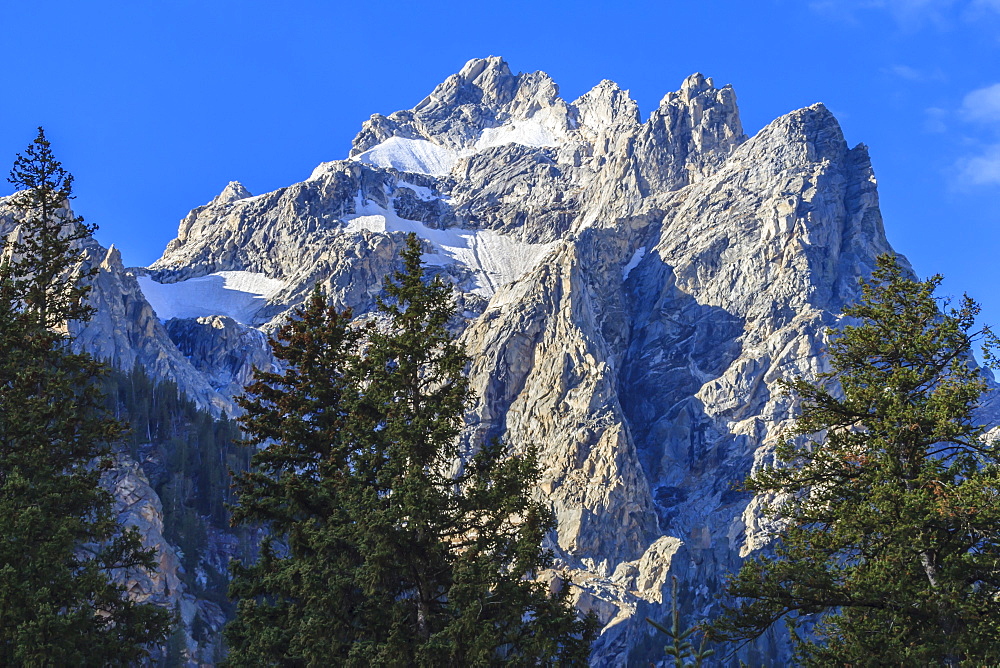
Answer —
380 553
681 648
187 456
39 265
295 602
887 497
60 542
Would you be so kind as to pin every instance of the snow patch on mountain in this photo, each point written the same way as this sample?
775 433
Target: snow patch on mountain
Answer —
237 294
530 132
633 262
497 259
417 156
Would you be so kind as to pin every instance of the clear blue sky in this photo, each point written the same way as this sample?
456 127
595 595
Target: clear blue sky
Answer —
155 106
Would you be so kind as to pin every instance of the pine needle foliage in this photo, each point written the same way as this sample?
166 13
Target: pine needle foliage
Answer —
887 495
295 604
62 551
41 275
384 550
681 648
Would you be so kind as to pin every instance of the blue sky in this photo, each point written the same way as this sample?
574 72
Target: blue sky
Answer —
155 106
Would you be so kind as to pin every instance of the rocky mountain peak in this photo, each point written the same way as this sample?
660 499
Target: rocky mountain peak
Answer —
485 81
697 94
492 65
811 133
484 95
633 292
112 260
694 84
520 161
687 137
232 192
606 105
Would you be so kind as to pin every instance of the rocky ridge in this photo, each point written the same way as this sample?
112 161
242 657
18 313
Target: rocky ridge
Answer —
632 290
127 333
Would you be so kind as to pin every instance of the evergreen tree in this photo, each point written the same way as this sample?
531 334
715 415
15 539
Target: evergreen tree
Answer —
886 497
41 275
681 648
380 552
60 543
295 604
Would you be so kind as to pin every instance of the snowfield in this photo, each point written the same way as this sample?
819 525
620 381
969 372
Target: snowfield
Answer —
422 192
237 294
418 156
497 259
633 262
526 133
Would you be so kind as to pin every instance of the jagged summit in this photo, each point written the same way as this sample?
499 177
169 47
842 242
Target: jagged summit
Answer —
485 106
233 191
495 134
484 81
463 113
695 84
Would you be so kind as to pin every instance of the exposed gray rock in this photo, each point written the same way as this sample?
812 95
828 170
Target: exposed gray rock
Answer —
138 506
633 292
484 94
125 331
223 350
644 358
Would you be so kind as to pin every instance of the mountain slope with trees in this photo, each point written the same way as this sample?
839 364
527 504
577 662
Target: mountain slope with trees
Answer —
885 504
632 291
379 552
62 549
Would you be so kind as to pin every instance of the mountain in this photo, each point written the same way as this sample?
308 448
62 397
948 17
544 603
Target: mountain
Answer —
632 292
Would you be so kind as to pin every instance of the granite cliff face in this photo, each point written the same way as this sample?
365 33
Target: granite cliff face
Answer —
139 506
127 333
633 291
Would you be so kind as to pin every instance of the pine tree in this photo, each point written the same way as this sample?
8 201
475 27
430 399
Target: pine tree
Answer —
380 552
295 605
40 262
886 497
60 543
681 648
449 553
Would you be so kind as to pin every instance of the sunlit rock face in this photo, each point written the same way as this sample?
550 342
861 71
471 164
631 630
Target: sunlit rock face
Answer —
632 291
197 634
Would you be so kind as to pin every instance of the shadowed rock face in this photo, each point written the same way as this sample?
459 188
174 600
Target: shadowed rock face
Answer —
223 350
632 293
645 359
